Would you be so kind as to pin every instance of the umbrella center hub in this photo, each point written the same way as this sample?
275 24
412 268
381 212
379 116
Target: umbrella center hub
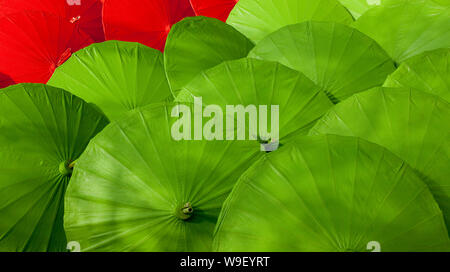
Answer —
185 212
66 168
268 144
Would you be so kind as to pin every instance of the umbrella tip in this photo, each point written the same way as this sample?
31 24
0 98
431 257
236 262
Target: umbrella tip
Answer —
75 19
185 212
66 168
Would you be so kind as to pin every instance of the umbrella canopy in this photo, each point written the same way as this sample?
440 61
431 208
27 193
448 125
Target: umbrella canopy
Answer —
198 43
137 189
33 44
43 129
412 124
86 14
257 82
324 194
405 28
428 72
219 9
116 76
340 59
144 21
258 18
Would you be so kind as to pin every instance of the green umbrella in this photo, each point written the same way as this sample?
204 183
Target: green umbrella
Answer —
258 18
330 193
428 72
115 76
257 82
42 131
413 125
199 43
405 28
336 57
137 189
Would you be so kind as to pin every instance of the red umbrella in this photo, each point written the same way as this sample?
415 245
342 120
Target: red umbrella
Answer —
87 14
219 9
144 21
33 44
